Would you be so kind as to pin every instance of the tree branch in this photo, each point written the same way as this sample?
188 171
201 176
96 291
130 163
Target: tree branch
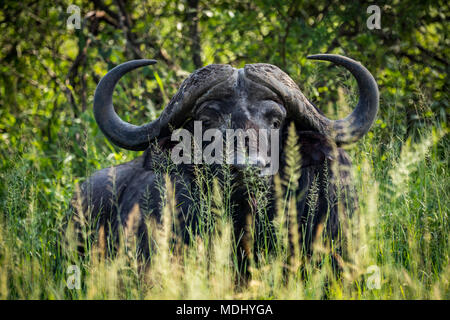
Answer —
192 18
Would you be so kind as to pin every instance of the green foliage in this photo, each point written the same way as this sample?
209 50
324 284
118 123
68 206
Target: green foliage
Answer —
50 140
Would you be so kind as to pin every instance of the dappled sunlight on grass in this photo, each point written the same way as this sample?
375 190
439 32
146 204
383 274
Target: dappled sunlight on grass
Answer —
400 233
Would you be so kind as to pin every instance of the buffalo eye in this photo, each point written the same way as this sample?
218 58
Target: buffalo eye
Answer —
205 121
276 123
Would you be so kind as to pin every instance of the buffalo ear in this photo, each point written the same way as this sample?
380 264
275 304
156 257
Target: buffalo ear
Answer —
165 143
315 148
157 151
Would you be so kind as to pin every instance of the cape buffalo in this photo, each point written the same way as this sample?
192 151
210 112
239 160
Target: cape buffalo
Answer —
258 96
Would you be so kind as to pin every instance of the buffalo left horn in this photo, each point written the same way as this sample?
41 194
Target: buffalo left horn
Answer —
356 124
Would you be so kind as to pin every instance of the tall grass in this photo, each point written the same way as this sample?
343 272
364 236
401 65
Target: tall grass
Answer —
401 234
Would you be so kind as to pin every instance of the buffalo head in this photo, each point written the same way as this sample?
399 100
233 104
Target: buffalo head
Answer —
259 96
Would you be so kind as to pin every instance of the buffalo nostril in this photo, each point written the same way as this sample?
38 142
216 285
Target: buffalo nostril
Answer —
261 162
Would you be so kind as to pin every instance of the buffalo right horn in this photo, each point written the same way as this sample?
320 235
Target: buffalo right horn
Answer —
119 132
131 137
